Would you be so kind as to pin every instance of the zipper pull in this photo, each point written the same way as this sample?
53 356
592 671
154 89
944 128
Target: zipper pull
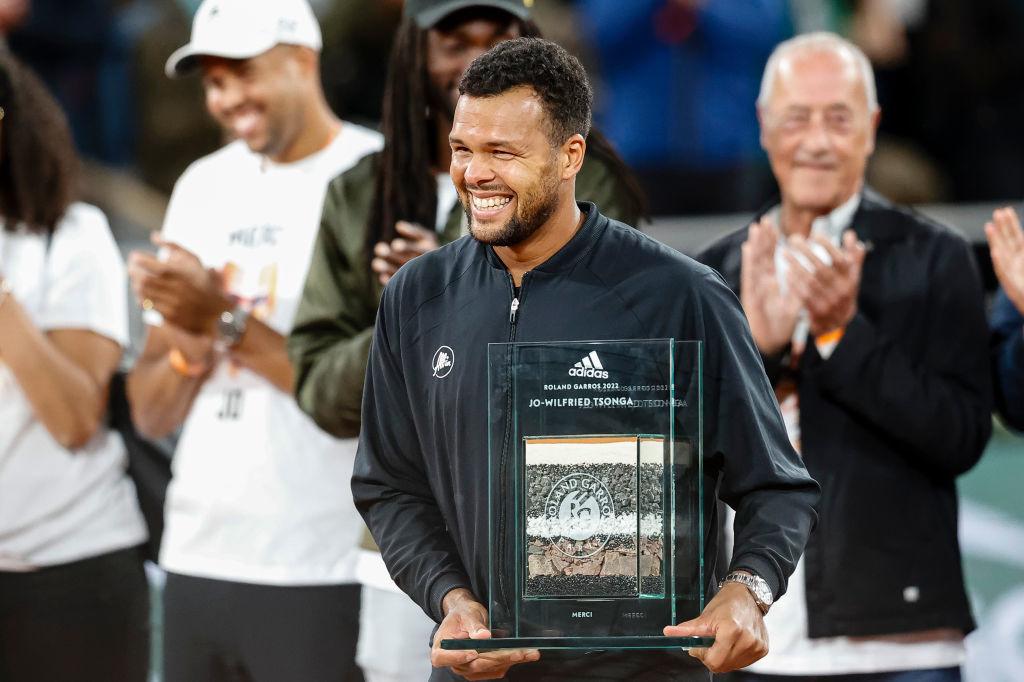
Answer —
512 311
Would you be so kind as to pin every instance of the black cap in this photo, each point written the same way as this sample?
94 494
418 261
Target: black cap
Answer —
428 13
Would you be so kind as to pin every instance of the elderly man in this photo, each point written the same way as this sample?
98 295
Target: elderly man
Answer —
870 323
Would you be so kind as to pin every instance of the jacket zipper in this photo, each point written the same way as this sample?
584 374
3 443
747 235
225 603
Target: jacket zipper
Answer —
513 314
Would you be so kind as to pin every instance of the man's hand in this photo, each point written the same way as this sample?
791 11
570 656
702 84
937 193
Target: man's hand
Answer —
466 618
1006 243
735 621
771 314
827 290
177 286
389 256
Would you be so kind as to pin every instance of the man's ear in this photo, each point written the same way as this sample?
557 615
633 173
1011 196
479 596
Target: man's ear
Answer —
572 153
307 59
876 118
760 124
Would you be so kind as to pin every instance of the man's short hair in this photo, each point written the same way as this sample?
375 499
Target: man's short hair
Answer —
820 41
557 77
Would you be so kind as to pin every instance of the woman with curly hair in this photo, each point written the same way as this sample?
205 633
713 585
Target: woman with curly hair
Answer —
73 593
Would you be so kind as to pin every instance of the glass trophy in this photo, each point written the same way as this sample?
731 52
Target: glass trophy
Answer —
595 509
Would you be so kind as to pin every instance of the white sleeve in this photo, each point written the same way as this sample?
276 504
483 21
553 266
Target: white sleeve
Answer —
178 218
86 281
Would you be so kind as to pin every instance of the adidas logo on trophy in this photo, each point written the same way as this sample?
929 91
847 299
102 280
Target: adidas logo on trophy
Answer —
589 367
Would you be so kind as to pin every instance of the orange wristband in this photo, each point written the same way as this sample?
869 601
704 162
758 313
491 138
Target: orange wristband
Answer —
182 366
830 337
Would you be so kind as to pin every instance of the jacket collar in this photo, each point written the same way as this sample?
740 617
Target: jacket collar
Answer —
575 249
863 222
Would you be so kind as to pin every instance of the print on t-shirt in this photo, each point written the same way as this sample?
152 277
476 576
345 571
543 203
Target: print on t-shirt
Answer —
254 289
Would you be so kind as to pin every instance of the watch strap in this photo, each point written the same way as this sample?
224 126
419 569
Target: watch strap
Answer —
755 584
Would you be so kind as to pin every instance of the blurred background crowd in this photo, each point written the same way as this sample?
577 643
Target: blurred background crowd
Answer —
949 74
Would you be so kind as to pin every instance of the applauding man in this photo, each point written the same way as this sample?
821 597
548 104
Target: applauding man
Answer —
870 322
261 533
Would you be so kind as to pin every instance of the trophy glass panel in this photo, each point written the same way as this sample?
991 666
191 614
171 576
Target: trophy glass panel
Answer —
595 490
652 566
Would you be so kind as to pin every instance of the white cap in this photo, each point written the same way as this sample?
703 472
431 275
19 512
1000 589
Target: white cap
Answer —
240 29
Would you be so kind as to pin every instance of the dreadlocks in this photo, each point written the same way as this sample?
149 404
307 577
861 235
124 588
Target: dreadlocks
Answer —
405 188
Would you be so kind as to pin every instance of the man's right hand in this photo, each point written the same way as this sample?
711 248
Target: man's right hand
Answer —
177 286
467 618
771 314
389 256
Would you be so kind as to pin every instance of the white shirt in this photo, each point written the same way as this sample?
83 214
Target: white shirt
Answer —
260 494
59 505
791 650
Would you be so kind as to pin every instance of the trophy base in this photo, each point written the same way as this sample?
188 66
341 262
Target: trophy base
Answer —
578 643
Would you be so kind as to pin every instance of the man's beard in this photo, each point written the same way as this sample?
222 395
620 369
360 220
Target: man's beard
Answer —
532 214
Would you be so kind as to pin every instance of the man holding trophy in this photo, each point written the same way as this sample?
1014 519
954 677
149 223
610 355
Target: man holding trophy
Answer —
538 490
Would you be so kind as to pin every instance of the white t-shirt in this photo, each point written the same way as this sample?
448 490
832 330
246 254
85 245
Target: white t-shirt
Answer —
260 494
59 505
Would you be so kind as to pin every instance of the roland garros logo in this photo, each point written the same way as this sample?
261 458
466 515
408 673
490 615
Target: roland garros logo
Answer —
576 512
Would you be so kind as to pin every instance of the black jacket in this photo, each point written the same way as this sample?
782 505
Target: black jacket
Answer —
421 471
901 408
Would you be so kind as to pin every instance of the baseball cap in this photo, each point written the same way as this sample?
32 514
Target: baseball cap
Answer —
240 29
427 13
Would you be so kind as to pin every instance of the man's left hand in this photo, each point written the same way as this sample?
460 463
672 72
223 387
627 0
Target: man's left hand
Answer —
734 619
828 290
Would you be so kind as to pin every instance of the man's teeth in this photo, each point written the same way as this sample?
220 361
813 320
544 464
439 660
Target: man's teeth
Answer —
491 202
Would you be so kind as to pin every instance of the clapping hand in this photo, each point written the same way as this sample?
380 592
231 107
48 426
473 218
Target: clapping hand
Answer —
771 313
1006 243
828 290
177 286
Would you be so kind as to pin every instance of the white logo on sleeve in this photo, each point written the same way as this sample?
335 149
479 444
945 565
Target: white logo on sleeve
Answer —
444 358
590 367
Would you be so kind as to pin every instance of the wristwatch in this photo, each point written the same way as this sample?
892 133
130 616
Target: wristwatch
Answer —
231 326
756 584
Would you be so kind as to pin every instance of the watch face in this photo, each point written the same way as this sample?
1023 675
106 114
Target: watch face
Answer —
231 326
764 594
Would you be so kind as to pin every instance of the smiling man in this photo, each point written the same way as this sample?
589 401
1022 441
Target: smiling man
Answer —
261 536
538 266
871 324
